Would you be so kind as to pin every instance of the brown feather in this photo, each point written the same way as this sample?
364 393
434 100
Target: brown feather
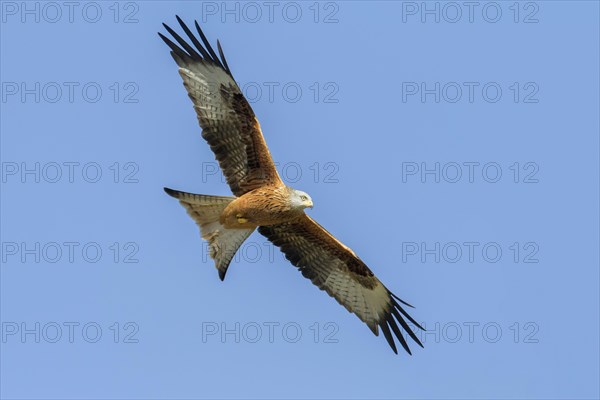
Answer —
227 120
334 268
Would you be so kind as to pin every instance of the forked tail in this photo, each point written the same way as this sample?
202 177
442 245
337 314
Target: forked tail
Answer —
206 210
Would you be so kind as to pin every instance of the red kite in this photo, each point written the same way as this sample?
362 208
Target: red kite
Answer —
263 201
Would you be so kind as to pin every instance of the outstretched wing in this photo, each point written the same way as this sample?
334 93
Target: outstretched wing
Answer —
227 120
335 268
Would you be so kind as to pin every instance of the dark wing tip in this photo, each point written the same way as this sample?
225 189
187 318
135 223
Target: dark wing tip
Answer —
223 57
222 273
388 335
213 55
166 40
398 333
396 315
398 307
171 192
400 300
175 50
184 45
204 52
373 328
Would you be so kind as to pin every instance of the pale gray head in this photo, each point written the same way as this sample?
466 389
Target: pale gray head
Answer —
300 200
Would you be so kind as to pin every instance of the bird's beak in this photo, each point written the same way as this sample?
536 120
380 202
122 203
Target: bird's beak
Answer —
310 204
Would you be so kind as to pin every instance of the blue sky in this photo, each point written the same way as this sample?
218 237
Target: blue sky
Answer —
453 147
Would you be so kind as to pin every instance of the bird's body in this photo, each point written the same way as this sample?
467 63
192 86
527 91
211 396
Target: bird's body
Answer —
263 202
267 205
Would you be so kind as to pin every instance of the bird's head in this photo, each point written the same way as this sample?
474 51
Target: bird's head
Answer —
300 200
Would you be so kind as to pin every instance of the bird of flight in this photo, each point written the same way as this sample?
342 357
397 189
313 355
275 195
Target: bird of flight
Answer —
262 201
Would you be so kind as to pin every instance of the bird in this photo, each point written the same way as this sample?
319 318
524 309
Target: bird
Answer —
261 201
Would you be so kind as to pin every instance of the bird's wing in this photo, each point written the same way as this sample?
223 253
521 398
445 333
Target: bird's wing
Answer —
227 120
335 268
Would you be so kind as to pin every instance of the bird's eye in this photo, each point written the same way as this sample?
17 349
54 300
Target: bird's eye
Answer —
303 198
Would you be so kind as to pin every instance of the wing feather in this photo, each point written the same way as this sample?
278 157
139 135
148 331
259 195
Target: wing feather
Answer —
335 268
228 123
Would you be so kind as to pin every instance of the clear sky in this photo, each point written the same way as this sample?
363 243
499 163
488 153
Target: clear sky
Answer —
454 147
